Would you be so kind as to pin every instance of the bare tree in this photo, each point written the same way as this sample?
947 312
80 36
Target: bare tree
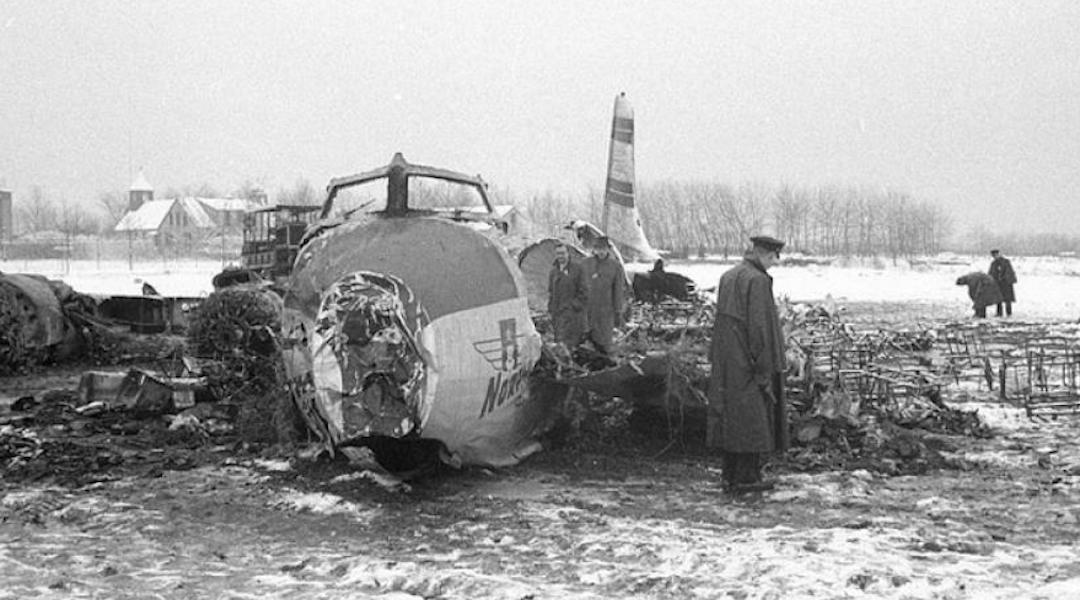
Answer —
693 216
251 190
301 192
549 211
38 213
76 220
748 209
115 205
200 190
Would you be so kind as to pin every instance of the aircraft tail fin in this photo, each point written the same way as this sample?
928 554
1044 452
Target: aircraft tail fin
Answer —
621 220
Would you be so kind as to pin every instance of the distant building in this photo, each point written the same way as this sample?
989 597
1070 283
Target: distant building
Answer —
7 225
259 196
226 212
513 217
176 218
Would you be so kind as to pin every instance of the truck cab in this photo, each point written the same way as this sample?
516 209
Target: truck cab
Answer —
272 236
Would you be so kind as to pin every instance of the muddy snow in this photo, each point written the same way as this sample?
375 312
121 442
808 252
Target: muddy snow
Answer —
601 527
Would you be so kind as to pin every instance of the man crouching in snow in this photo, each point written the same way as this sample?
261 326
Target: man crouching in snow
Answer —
983 291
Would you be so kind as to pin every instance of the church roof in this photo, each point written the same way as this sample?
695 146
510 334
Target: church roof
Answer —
151 215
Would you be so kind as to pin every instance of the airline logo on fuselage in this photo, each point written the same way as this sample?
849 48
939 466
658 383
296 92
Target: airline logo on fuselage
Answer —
504 354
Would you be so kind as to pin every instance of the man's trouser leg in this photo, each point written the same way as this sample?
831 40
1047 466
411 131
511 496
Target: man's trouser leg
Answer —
999 312
1008 309
742 468
730 468
750 468
980 312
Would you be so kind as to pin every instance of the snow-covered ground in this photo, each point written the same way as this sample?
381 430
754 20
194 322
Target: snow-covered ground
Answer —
188 277
1048 287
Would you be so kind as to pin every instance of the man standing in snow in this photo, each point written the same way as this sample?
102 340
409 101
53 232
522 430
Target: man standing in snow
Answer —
607 292
747 414
1001 270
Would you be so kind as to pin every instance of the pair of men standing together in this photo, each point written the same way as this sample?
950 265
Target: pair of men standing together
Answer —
586 300
995 287
747 413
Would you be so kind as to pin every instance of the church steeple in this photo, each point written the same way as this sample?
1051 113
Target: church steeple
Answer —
140 191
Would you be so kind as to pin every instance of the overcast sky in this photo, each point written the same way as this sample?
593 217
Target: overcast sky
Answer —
973 105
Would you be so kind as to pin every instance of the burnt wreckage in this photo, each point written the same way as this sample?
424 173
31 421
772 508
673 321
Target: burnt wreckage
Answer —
406 318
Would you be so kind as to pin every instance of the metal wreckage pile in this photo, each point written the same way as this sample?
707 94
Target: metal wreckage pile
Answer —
41 321
861 397
168 409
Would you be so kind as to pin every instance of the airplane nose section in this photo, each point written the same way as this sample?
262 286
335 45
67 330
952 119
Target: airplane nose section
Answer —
368 369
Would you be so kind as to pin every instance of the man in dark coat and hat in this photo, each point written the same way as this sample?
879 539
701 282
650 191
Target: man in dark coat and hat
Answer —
1001 270
568 296
982 289
607 294
747 414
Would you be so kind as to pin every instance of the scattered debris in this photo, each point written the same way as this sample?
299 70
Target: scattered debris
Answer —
40 320
233 337
860 398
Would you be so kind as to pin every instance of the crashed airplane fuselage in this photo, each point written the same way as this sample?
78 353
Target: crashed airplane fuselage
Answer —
407 320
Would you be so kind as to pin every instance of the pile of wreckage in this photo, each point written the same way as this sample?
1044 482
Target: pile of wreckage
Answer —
1037 364
144 414
860 398
41 320
44 321
128 424
144 420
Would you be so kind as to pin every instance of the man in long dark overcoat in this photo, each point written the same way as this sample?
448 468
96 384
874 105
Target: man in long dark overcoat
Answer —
747 414
568 297
1001 270
607 295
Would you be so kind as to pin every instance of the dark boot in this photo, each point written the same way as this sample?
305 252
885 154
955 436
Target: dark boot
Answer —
748 475
727 476
749 470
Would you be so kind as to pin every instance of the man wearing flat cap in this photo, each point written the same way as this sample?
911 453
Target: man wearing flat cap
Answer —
1001 270
747 415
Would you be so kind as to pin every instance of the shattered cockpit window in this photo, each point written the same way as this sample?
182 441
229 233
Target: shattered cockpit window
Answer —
359 199
427 193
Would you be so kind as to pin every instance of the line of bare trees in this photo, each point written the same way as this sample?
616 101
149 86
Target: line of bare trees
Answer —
718 218
40 212
981 239
685 217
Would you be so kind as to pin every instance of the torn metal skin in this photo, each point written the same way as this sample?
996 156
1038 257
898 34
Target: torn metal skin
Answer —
413 322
